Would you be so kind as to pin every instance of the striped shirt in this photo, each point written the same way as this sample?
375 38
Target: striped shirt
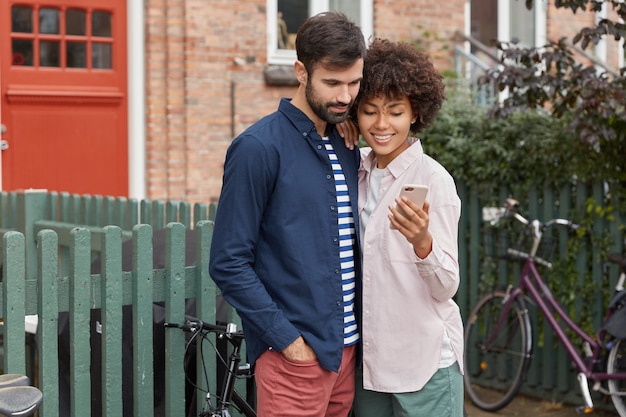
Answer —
347 241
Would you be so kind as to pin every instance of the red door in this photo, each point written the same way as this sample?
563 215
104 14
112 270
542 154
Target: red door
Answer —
64 96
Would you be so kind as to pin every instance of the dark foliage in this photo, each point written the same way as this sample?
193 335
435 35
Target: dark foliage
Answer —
554 78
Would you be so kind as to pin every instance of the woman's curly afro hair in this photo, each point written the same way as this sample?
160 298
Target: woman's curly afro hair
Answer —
396 69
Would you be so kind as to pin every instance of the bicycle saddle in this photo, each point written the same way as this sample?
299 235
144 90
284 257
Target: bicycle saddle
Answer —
19 401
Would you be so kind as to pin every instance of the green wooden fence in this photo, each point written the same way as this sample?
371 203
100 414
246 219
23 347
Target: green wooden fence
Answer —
49 245
50 241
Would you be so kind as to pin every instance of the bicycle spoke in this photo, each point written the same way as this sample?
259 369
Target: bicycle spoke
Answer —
495 356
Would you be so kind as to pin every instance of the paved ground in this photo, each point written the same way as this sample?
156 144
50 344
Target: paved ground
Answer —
523 406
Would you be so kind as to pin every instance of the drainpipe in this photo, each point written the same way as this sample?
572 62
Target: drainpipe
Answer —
136 100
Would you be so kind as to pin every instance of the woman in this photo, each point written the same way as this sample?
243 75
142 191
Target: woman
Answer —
412 333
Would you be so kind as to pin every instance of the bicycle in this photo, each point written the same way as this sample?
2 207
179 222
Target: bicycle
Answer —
229 396
498 335
17 397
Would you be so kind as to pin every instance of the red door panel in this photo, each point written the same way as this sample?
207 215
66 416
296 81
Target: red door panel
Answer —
64 96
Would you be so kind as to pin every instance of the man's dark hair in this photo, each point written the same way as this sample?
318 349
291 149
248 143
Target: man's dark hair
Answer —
329 39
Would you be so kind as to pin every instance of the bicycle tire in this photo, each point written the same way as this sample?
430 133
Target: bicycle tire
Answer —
616 363
494 373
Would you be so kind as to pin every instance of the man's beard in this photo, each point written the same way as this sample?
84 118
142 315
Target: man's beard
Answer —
322 111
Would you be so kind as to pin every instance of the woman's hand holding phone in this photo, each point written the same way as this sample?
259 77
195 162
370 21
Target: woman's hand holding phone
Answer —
413 192
414 227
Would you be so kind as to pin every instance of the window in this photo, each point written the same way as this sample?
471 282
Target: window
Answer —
522 23
284 17
61 38
516 21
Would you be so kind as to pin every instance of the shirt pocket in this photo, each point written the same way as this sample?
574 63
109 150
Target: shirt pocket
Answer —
397 248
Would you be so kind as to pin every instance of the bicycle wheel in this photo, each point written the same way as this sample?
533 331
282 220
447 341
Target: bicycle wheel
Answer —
496 357
616 363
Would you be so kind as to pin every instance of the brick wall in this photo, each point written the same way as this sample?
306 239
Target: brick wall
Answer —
198 98
428 24
562 22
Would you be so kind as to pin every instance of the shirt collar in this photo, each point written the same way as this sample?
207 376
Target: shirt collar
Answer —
298 119
401 163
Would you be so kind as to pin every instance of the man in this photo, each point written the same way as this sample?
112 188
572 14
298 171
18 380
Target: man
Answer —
284 250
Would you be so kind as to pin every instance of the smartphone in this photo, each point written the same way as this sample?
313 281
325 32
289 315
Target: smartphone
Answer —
414 192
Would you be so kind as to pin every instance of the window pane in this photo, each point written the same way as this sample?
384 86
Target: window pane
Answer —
101 24
349 8
291 15
522 23
76 55
101 55
49 54
48 21
22 52
21 19
75 22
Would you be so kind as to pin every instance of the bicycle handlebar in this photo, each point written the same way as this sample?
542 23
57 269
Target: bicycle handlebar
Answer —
195 325
509 209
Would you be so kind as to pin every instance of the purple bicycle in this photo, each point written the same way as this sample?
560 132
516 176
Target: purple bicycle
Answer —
498 334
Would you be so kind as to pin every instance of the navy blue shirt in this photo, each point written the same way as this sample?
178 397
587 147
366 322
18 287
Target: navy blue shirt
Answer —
275 247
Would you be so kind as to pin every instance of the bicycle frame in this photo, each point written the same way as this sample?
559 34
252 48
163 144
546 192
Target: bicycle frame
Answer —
228 387
532 286
500 325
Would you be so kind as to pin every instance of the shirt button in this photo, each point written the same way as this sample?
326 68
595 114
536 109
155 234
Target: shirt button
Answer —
328 176
335 239
305 134
332 208
338 303
336 270
319 146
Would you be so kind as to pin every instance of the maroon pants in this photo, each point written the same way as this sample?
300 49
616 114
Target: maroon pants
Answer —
298 389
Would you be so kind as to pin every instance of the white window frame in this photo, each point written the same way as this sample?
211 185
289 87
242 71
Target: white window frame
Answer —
277 56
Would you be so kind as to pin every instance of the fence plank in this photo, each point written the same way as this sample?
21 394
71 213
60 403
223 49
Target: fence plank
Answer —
205 306
200 212
174 313
157 215
132 214
565 212
108 211
13 303
112 321
599 229
8 211
474 233
464 222
47 328
545 211
94 217
171 212
184 214
143 389
79 322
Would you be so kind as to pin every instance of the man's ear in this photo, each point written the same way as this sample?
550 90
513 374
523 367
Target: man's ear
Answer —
301 73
